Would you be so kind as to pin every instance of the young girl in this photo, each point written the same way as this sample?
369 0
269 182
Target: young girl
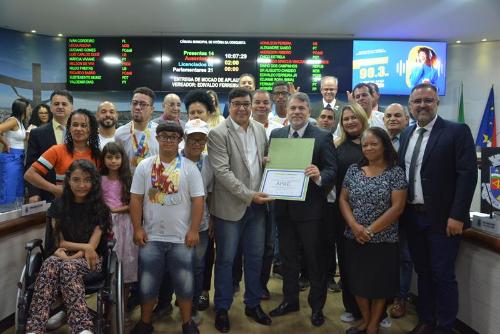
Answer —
115 181
82 221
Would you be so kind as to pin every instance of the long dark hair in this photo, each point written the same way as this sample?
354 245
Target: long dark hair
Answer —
390 154
96 211
93 141
35 117
19 107
124 174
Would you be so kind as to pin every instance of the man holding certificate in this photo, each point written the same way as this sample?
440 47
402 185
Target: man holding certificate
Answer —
300 222
236 149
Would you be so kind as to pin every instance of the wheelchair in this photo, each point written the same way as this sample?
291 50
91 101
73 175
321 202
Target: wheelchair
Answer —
107 285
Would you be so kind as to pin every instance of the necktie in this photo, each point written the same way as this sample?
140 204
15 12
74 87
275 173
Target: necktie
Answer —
63 131
295 134
413 163
395 142
328 105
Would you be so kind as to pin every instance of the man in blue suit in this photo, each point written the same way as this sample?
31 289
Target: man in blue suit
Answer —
440 162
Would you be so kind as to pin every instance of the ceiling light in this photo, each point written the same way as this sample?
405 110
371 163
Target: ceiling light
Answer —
458 42
33 31
59 35
484 40
112 60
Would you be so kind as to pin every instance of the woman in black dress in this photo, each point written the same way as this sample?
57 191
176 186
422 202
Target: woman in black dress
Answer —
373 196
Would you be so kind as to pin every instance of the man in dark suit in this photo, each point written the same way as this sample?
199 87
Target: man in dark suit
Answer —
329 87
440 162
301 222
42 138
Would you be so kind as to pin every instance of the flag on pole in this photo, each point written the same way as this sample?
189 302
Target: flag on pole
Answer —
461 116
487 134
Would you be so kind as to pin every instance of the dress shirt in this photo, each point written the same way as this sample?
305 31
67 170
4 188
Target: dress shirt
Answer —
59 131
419 195
396 141
249 142
300 132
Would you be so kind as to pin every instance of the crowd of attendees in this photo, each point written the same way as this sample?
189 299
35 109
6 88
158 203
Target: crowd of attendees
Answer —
182 200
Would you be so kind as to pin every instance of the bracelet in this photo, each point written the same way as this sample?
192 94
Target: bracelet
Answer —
370 232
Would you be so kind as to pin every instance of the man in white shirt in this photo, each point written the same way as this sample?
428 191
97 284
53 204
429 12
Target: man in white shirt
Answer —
107 117
137 137
261 108
363 94
329 87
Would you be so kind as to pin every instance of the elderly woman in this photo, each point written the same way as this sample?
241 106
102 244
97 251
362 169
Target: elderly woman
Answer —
372 198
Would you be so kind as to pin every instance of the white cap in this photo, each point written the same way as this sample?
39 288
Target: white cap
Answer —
196 126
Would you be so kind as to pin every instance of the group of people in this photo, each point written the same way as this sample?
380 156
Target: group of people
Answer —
383 196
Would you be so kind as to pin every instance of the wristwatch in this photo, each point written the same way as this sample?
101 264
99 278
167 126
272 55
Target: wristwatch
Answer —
370 232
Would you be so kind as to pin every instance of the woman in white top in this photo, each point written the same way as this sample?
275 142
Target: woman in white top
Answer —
12 138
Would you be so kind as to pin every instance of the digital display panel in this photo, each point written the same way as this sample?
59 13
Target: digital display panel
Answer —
113 63
397 66
303 62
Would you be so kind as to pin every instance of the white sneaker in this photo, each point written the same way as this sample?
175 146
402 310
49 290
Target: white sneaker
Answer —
85 332
56 321
386 323
347 317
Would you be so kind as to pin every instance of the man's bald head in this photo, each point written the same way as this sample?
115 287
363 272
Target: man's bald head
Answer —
395 119
106 114
172 107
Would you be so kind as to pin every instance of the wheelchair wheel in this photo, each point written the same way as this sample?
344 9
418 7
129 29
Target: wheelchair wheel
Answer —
116 307
25 288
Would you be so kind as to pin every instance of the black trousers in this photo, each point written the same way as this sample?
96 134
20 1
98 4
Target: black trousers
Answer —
307 233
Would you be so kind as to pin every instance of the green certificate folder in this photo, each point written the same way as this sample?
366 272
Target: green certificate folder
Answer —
284 176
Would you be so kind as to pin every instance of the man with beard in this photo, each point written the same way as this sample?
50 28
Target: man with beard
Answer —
138 136
106 117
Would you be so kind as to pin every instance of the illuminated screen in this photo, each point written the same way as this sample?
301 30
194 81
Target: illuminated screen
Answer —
397 66
113 63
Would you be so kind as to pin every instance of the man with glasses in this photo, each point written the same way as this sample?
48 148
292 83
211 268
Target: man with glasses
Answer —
440 162
329 87
137 136
236 150
166 208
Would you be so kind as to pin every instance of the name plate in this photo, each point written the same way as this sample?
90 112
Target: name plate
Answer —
486 224
31 208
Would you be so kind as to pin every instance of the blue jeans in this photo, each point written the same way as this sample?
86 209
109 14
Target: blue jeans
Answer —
157 257
250 230
199 264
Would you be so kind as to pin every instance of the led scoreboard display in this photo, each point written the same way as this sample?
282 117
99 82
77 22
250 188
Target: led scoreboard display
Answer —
182 64
111 63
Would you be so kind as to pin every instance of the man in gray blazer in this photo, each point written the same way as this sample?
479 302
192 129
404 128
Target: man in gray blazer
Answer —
236 150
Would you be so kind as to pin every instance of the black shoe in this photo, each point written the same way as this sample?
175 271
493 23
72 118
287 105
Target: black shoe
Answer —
422 328
317 318
222 321
284 308
190 328
257 314
203 302
355 330
142 328
303 283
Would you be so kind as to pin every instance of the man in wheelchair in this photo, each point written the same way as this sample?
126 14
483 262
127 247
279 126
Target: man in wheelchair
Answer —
80 261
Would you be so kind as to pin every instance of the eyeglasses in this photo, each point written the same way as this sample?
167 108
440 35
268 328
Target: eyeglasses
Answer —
281 93
141 104
426 101
237 105
170 139
192 141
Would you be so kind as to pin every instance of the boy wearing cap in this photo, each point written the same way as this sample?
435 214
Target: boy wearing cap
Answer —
195 139
167 194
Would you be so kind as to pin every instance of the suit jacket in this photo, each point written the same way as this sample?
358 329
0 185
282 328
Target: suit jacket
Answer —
232 194
40 140
448 172
318 106
325 158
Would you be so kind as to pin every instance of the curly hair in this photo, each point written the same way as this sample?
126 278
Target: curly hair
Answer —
35 117
93 141
199 96
96 210
124 173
